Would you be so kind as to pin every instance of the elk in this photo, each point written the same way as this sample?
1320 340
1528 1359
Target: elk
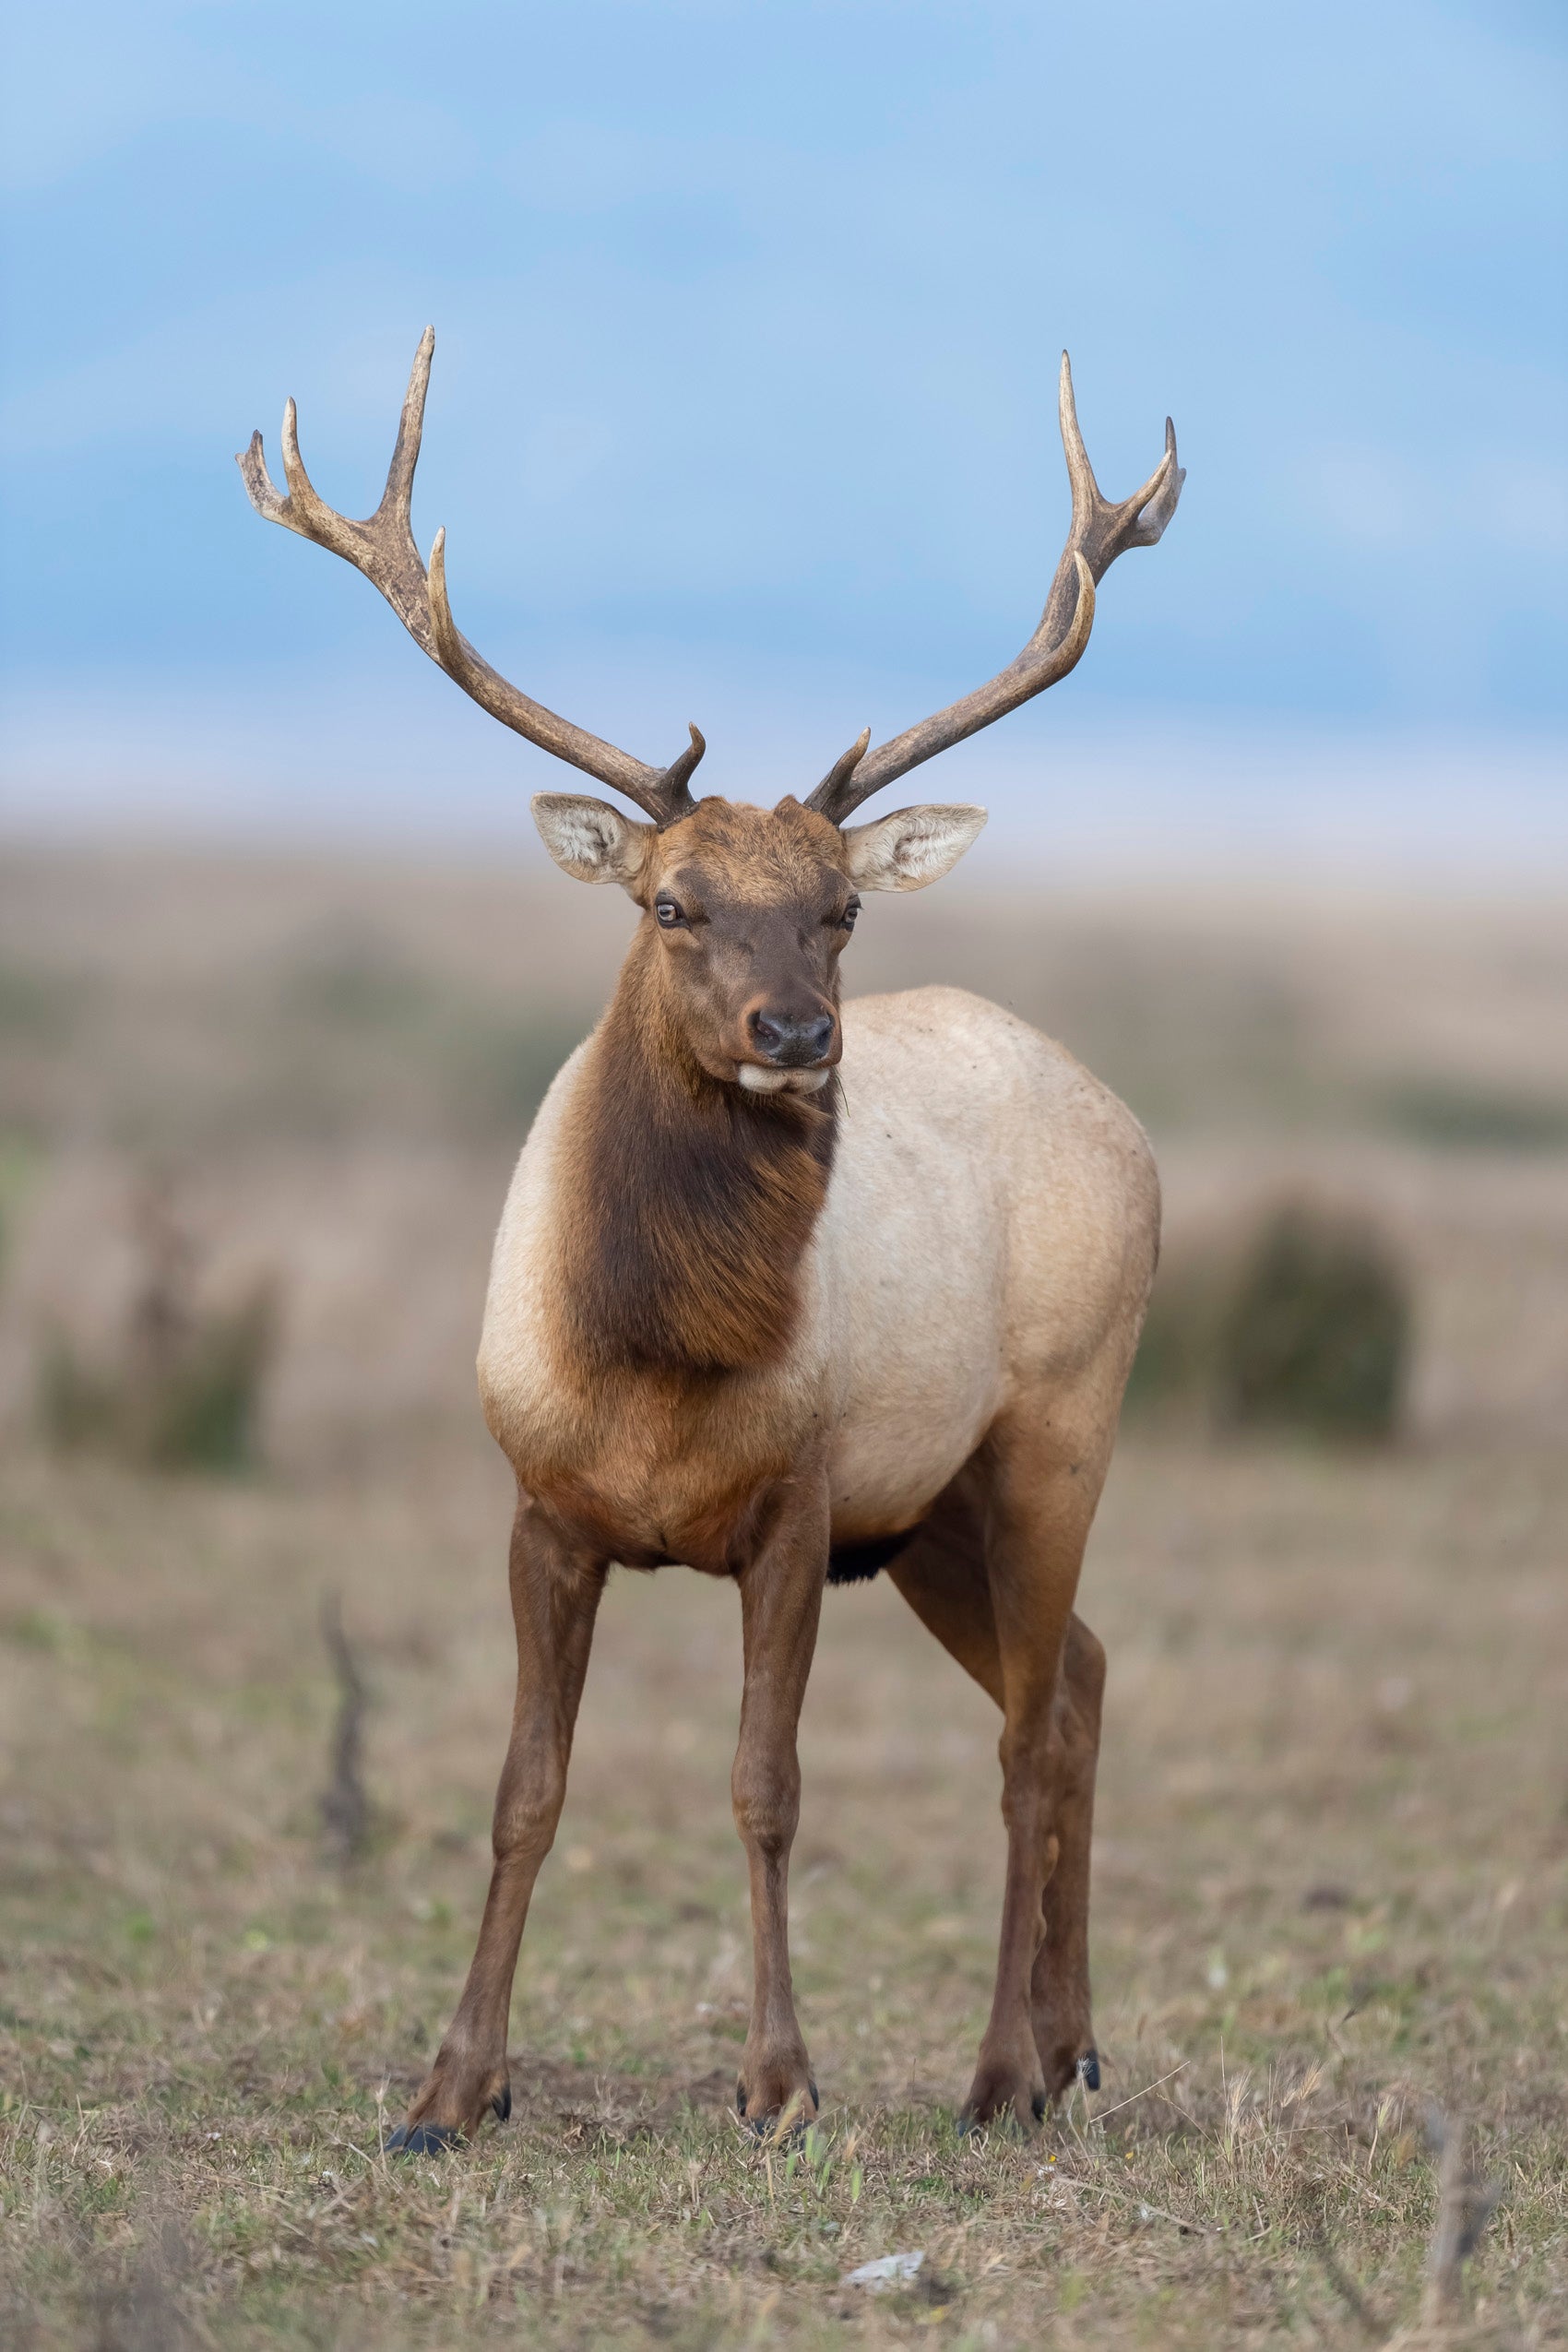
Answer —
791 1291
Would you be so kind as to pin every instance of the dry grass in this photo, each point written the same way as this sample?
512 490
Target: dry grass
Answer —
1332 1860
1332 1887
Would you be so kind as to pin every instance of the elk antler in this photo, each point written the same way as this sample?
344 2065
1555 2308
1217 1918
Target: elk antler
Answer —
1096 535
382 547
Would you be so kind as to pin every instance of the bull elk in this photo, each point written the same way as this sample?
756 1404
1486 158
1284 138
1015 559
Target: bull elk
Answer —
791 1290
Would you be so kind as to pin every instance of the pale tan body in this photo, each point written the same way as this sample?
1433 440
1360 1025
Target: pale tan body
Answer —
988 1234
972 1298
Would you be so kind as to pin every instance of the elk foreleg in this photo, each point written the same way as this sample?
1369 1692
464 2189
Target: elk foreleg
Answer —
555 1596
780 1603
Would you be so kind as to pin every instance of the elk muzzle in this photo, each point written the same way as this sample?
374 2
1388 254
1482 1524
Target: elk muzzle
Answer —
788 1047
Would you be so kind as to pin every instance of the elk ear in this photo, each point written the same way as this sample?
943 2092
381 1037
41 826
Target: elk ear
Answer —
590 840
910 847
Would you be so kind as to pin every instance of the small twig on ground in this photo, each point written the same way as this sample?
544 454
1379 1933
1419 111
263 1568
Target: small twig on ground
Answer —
1107 2111
1145 2210
1465 2205
345 1807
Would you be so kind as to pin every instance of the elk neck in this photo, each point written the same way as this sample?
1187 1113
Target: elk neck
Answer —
687 1204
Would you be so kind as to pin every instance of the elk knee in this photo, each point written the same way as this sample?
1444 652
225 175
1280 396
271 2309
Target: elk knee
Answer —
526 1811
1085 1664
767 1807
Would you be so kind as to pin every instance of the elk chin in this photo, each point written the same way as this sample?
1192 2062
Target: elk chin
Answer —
757 1078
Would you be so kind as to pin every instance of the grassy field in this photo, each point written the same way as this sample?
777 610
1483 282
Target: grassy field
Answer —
1332 1840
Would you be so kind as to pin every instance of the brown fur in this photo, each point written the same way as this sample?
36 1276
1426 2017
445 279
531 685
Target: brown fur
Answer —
690 1201
760 857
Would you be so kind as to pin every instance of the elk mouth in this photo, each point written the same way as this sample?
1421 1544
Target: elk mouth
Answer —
767 1077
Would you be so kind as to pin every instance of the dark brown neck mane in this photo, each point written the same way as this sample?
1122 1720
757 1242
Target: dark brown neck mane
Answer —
687 1202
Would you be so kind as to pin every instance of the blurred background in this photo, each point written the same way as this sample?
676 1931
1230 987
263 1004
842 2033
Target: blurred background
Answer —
742 412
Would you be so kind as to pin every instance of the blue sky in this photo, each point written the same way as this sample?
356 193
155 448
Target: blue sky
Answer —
747 323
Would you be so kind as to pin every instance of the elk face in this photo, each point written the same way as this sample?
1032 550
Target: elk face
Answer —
746 912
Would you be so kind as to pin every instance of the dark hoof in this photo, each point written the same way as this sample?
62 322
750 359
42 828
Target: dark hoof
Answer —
1003 2120
501 2105
1088 2070
764 2126
422 2139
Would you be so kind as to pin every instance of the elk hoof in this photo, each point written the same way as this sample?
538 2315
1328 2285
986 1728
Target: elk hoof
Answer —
1005 2120
501 2105
423 2139
1005 2094
1088 2070
766 2127
765 2123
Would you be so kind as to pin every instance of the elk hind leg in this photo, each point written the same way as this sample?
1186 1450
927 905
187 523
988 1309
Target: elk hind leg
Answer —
943 1577
1059 1986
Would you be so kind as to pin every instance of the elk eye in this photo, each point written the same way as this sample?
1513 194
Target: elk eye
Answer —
850 911
667 913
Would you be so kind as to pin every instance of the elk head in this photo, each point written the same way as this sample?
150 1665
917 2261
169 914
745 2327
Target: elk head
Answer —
747 909
751 908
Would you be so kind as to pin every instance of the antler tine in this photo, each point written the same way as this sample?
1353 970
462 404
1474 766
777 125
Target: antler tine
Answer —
260 488
383 548
678 775
396 497
842 770
1164 487
311 509
1098 532
1080 473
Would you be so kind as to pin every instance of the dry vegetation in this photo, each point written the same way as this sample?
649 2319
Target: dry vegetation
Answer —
1332 1863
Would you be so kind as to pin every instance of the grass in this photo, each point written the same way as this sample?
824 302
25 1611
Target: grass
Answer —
1332 1887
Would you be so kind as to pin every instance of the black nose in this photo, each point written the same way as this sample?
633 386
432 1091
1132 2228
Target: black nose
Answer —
791 1045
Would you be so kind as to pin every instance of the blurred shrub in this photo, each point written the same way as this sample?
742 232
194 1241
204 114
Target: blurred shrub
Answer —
1458 1118
1316 1332
185 1390
198 1411
1305 1326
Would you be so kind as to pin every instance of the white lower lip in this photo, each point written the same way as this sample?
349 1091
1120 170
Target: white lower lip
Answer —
758 1078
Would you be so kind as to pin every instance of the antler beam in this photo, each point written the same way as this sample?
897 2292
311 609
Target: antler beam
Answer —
1098 534
383 548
